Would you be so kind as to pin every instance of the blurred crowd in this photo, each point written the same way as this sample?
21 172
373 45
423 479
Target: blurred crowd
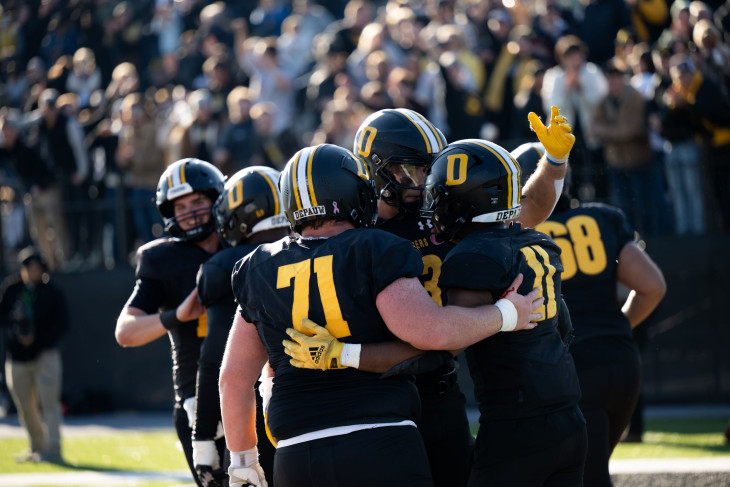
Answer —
99 96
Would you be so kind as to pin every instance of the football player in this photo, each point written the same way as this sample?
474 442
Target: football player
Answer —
525 383
345 427
164 299
598 251
399 146
248 212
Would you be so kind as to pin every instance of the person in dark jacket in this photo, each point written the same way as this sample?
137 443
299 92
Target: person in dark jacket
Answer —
33 314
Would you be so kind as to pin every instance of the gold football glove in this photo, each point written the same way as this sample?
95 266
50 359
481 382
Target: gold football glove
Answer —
557 138
320 351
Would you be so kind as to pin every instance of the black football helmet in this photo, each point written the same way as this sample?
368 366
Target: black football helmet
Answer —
181 178
471 180
528 156
327 181
250 203
396 143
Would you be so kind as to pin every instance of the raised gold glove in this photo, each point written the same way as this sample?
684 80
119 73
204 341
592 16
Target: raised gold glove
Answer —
320 351
557 137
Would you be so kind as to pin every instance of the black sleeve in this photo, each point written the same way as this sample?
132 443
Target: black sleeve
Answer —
214 284
207 408
146 296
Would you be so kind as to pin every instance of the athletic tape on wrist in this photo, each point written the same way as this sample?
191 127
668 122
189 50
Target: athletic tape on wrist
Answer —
169 319
350 356
509 314
246 458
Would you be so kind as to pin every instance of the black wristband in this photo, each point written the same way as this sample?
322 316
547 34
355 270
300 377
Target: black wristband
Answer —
169 319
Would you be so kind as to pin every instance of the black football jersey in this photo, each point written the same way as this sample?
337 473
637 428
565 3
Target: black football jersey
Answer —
591 238
216 294
166 272
335 282
422 234
525 373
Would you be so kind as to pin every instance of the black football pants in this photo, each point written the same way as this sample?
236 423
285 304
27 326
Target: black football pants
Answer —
390 455
446 435
610 392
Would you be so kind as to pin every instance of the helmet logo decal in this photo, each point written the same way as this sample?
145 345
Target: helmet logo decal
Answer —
513 172
235 197
430 136
453 159
370 133
335 210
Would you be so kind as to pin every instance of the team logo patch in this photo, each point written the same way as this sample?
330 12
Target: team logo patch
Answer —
305 212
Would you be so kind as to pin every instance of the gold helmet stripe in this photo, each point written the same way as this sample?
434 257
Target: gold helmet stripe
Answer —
269 178
176 176
430 137
440 142
512 167
293 176
301 174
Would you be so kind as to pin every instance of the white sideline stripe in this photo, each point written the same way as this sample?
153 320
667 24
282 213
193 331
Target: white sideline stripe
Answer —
90 478
669 465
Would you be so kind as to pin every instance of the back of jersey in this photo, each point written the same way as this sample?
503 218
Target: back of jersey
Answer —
591 238
333 281
529 372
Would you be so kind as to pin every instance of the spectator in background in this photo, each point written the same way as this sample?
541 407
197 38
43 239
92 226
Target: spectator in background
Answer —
272 149
197 136
60 140
141 161
337 125
237 141
635 178
715 54
43 205
602 19
268 81
34 315
710 107
577 87
85 78
346 32
648 18
683 158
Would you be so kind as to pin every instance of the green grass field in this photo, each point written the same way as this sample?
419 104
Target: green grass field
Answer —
159 451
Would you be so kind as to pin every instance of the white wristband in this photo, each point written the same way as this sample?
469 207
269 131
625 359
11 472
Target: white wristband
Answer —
350 356
245 458
509 314
556 161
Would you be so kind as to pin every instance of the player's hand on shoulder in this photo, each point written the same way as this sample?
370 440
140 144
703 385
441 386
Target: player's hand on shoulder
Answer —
316 348
521 312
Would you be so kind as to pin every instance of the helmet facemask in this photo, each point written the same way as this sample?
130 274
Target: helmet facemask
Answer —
397 177
200 230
